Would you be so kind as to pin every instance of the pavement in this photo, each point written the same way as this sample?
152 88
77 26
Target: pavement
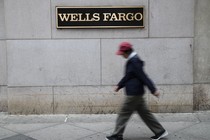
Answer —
181 126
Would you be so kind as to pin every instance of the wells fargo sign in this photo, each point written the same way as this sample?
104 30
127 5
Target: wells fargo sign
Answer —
99 17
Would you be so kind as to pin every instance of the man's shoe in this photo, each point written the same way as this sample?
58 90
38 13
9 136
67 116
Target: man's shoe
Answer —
114 138
160 135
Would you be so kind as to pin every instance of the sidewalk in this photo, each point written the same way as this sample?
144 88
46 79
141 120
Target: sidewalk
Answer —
181 126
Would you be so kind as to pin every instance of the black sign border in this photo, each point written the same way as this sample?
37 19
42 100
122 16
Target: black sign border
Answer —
96 27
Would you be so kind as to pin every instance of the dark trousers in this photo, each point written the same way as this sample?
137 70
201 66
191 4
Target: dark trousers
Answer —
130 105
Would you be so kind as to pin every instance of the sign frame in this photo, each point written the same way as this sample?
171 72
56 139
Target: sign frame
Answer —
98 27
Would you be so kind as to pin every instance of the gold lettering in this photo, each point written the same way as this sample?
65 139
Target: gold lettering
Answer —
74 17
129 15
64 17
88 17
138 16
106 15
122 16
96 17
114 17
80 17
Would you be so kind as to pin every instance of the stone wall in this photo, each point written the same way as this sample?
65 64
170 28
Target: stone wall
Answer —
3 61
45 70
202 56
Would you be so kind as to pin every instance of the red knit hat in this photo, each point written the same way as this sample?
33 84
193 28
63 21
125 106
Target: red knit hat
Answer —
124 46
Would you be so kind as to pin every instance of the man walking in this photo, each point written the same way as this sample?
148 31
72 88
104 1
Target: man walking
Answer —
134 81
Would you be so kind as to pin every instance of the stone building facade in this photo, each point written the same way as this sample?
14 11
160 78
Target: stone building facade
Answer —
44 70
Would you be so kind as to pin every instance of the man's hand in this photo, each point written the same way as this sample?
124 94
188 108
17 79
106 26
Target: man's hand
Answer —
157 94
116 89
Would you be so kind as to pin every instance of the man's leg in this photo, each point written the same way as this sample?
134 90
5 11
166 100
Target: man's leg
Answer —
123 116
148 117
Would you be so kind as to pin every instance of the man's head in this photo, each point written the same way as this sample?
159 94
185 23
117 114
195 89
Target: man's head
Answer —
125 49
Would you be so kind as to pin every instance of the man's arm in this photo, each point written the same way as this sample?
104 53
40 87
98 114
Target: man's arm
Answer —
122 82
140 74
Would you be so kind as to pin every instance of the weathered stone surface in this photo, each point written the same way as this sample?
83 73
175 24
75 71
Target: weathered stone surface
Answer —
3 63
28 19
195 132
99 33
112 65
61 132
86 99
30 100
171 18
53 62
19 137
6 133
202 41
181 126
168 61
86 110
201 96
203 116
173 98
26 126
2 20
3 99
171 108
172 95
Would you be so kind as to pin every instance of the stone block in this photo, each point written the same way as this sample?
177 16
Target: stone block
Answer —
177 117
112 65
99 33
30 100
171 18
3 99
28 19
27 126
3 63
173 99
2 20
168 61
53 62
173 95
86 99
171 108
197 131
95 137
5 133
87 110
60 132
201 96
202 41
203 116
